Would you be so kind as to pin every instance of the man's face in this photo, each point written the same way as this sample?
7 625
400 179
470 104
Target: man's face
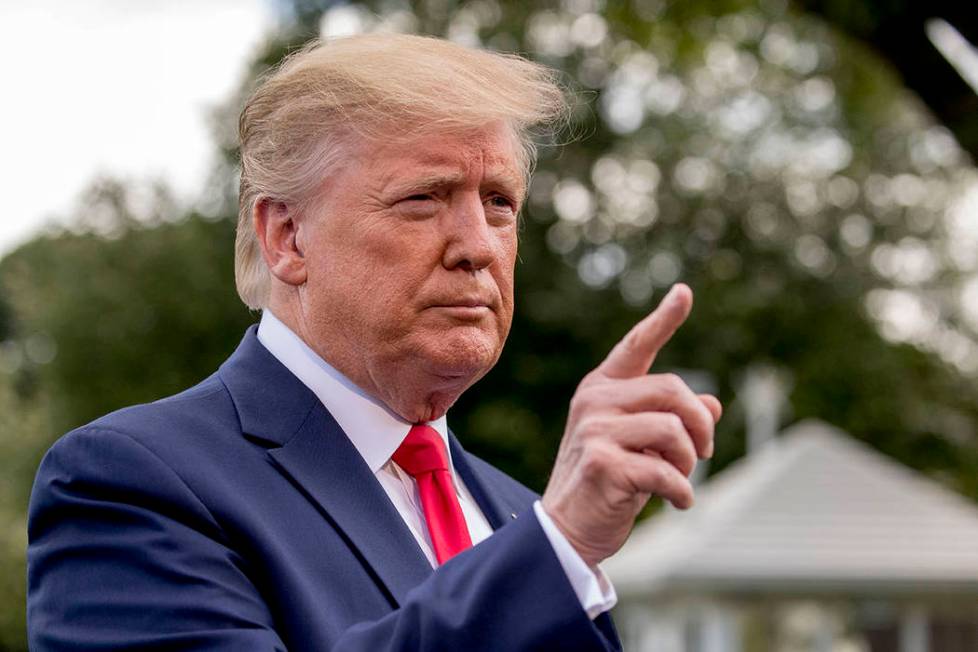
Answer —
410 255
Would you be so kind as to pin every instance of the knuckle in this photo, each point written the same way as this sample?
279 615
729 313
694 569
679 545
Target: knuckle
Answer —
657 476
702 412
674 425
592 428
595 461
581 400
677 444
674 384
590 378
668 480
667 384
592 398
661 480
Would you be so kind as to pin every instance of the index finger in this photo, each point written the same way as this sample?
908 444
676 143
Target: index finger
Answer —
636 352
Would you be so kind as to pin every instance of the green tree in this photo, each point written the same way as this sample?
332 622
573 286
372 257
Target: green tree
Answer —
134 306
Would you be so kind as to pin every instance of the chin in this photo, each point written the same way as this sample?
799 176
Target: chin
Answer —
461 358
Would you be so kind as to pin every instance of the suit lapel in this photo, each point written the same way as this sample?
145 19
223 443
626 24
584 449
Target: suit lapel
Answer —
490 501
277 411
321 460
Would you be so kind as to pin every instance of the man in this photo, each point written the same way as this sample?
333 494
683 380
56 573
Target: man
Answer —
308 495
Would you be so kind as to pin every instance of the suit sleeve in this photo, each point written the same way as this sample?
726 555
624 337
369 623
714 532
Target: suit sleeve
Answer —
507 593
124 556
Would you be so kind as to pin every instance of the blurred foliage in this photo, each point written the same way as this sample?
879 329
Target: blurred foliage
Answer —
896 29
23 426
754 152
113 318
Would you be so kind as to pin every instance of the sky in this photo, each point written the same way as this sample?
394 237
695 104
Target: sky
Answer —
112 87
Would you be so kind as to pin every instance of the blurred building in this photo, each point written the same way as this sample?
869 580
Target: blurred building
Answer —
814 542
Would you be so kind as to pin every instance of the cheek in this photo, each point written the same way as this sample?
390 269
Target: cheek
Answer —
374 264
389 279
397 250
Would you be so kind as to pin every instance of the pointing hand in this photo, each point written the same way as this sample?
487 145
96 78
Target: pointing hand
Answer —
629 435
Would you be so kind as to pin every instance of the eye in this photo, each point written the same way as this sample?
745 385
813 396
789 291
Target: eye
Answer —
418 206
500 201
414 198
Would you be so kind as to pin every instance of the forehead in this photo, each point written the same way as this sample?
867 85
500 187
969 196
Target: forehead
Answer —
487 155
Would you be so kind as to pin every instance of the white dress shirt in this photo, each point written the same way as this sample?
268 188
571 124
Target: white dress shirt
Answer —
376 433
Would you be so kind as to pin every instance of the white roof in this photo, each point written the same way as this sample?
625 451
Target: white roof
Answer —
813 511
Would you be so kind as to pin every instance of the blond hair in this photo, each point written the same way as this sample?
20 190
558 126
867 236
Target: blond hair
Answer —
385 86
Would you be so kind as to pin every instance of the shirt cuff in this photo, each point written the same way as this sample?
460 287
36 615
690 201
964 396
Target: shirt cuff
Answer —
593 588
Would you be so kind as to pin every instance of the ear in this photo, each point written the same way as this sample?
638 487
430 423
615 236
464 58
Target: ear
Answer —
277 226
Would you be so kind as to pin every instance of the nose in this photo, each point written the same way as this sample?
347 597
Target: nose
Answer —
469 240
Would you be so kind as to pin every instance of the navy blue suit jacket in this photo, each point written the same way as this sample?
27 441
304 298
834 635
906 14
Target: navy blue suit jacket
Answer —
238 516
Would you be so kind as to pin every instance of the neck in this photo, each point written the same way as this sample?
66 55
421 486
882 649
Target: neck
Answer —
405 388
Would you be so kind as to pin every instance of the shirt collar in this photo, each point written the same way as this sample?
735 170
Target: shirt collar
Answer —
371 426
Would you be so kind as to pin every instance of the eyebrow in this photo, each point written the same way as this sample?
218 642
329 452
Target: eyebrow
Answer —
513 181
503 179
433 180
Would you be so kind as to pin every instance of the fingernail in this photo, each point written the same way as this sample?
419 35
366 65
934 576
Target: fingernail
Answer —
709 450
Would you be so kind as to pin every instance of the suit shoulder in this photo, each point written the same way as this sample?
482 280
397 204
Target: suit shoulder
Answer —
187 423
206 403
144 448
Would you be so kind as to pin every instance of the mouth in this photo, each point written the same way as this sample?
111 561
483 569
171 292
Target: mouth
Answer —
463 308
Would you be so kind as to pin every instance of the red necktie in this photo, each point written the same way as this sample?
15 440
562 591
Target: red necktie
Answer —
422 454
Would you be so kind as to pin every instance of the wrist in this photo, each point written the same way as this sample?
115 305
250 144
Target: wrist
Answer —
588 554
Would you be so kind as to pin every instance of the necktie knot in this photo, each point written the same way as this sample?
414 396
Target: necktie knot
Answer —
422 451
